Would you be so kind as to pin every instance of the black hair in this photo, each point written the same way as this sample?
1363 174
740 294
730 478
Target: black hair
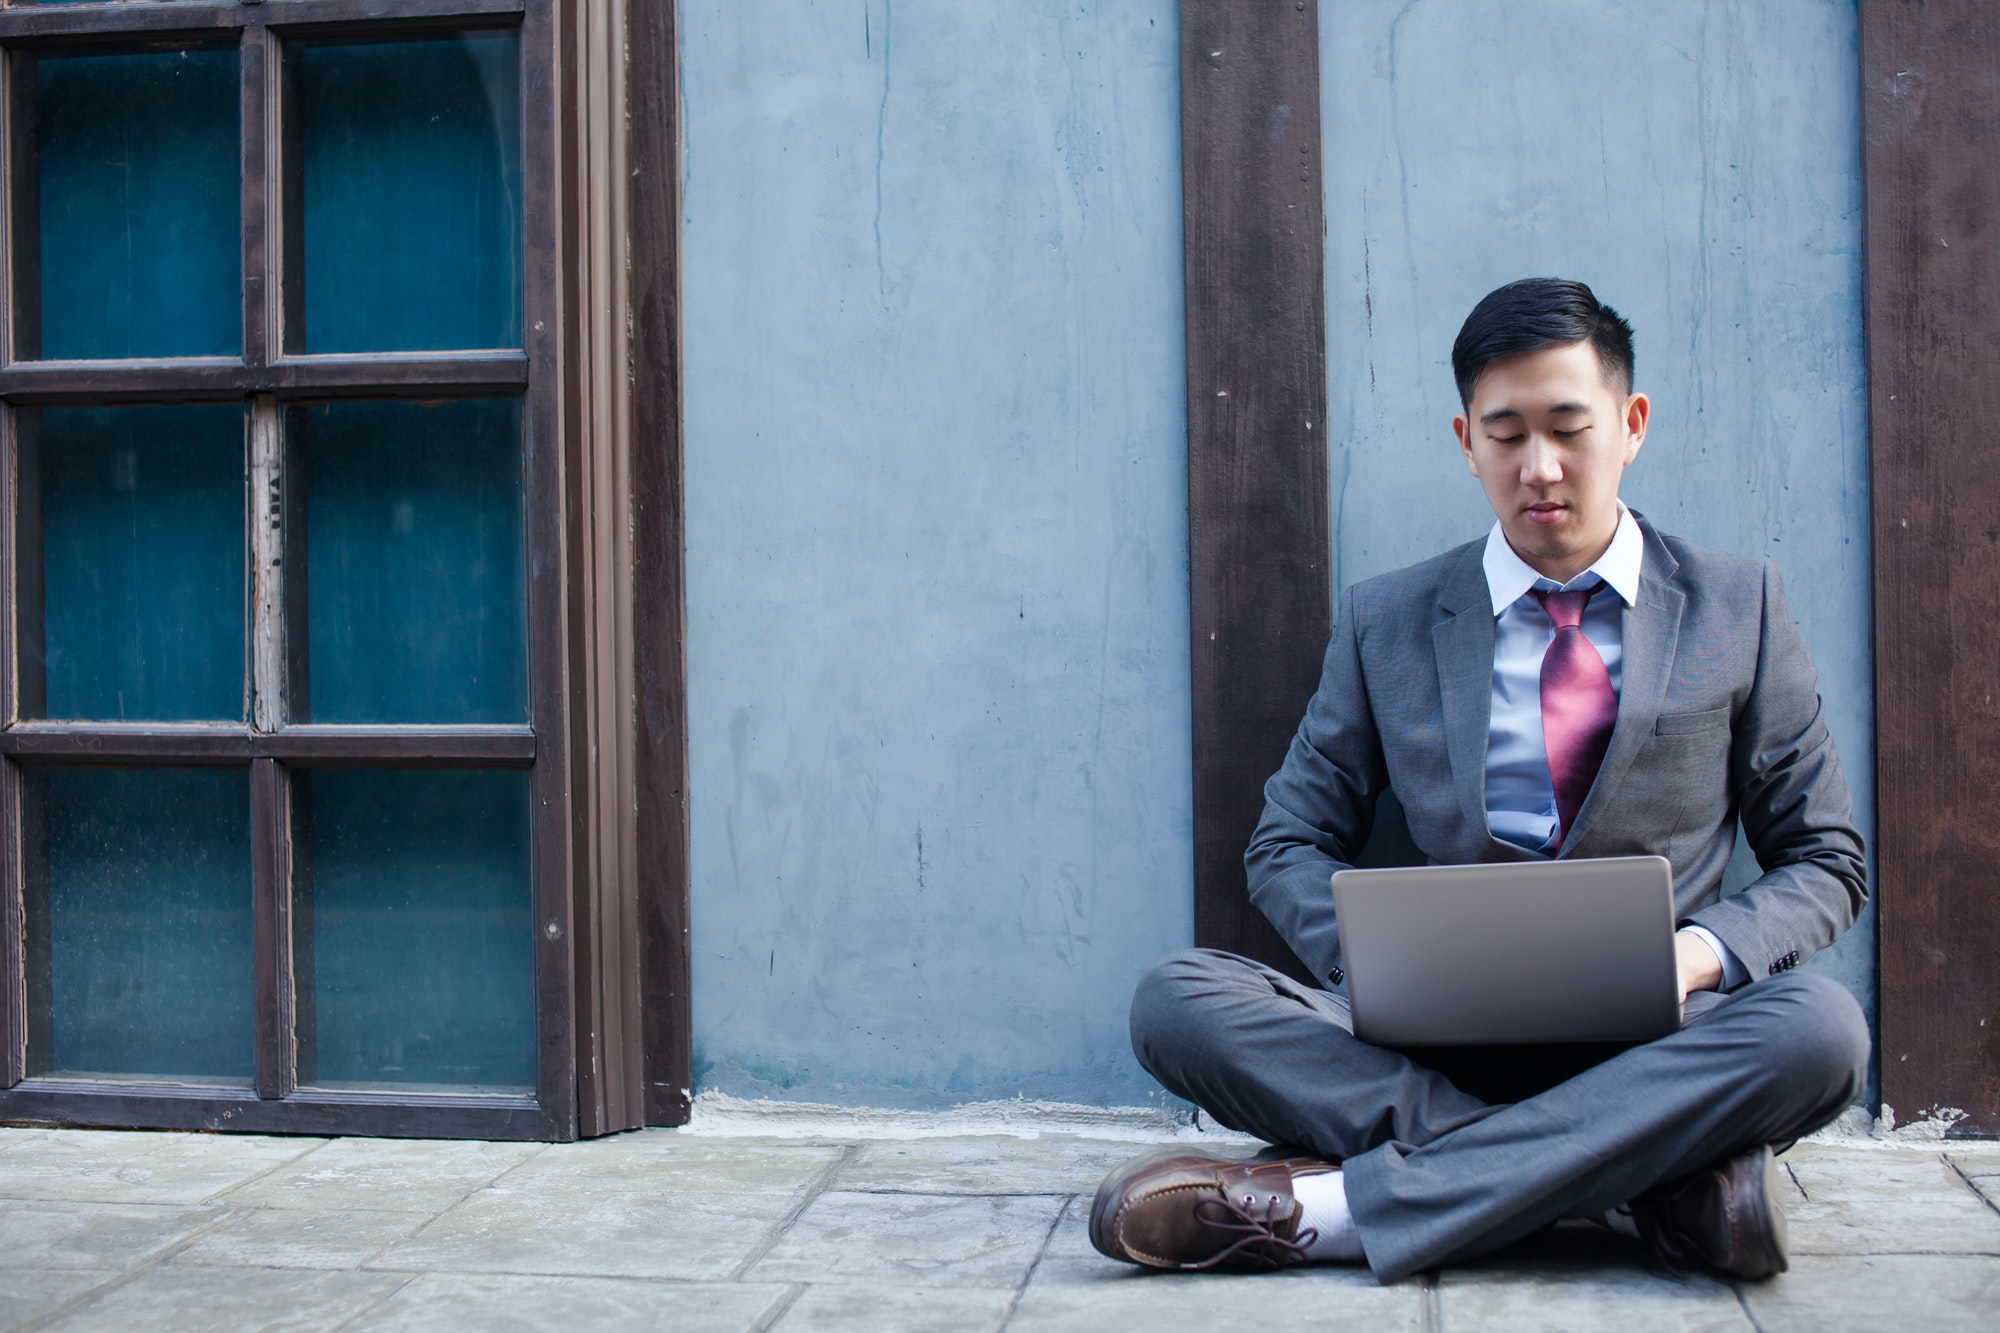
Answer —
1533 315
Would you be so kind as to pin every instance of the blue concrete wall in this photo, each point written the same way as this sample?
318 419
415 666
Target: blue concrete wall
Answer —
1699 165
937 544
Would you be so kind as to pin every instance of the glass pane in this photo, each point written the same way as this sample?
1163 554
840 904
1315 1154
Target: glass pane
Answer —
141 553
139 182
139 923
416 594
409 181
419 940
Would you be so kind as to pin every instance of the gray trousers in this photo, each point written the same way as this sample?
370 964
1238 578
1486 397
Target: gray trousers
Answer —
1453 1152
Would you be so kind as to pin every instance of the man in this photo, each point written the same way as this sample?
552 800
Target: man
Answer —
1575 685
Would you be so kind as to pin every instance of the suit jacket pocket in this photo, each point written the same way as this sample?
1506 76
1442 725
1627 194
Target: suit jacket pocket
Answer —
1690 724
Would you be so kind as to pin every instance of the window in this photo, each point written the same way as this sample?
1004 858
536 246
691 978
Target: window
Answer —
285 806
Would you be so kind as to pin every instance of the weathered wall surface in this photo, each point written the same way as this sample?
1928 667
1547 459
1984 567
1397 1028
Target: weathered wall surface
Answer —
1699 165
937 553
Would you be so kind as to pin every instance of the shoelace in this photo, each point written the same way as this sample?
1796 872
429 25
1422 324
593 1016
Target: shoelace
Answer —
1259 1236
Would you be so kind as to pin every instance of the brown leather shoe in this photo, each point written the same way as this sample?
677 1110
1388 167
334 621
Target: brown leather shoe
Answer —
1179 1209
1730 1217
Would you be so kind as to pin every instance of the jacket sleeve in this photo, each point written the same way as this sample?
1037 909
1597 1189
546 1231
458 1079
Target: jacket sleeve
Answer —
1797 817
1319 807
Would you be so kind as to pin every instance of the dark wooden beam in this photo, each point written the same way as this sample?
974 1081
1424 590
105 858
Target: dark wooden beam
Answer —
1930 83
1258 527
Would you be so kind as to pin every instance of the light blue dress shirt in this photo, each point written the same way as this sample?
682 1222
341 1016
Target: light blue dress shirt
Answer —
1520 796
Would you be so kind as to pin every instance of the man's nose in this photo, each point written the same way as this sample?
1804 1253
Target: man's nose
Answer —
1540 466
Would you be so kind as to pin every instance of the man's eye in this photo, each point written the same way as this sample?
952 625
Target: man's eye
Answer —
1572 434
1508 439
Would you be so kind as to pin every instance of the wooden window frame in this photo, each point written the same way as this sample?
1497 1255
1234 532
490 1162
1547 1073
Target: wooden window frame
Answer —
598 379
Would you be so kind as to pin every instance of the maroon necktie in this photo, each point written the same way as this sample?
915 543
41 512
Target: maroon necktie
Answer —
1578 705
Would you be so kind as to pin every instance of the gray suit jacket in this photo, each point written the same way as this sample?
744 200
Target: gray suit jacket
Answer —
1719 720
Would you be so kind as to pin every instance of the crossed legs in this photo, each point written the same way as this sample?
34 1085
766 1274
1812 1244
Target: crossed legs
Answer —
1436 1174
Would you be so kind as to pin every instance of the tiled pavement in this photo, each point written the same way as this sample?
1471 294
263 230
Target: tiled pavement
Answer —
668 1230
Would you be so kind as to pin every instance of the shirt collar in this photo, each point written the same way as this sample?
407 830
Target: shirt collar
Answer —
1508 577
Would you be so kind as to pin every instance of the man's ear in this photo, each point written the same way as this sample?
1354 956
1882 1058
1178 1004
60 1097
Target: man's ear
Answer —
1638 410
1461 426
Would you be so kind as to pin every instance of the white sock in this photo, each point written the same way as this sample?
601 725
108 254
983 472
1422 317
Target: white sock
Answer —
1324 1197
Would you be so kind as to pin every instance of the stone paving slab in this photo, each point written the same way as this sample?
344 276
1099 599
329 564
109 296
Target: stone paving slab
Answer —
854 1309
1301 1299
27 1294
931 1240
1870 1293
400 1175
984 1165
452 1302
1975 1159
661 1160
195 1300
643 1206
59 1233
119 1166
293 1238
1070 1260
694 1232
1886 1200
706 1237
1583 1277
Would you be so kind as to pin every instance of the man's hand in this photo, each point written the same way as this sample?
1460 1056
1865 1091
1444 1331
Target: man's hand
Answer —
1697 964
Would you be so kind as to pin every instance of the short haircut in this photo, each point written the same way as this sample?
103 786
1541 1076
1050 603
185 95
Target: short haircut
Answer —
1533 315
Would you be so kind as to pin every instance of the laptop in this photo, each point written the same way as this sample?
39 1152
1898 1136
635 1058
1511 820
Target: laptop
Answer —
1510 953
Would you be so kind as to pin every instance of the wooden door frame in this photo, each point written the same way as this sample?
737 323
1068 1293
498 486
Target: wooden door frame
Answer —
661 791
628 681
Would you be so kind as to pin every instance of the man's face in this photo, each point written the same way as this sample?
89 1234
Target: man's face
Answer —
1549 440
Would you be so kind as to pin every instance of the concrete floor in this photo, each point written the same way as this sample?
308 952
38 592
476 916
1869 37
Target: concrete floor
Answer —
669 1229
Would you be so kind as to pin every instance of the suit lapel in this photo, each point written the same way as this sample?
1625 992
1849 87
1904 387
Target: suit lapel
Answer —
1463 644
1652 629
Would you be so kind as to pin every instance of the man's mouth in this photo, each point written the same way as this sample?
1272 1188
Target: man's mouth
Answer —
1546 512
